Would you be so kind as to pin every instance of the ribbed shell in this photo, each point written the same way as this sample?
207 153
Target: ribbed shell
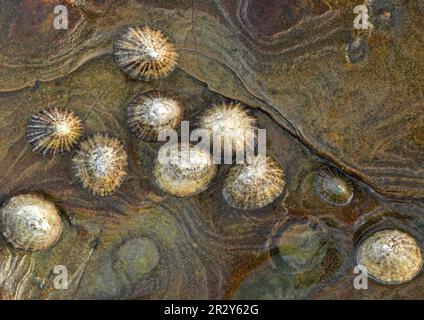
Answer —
390 256
232 122
152 112
333 187
188 170
54 131
145 54
100 164
31 223
255 185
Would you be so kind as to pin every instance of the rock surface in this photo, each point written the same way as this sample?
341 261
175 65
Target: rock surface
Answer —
285 59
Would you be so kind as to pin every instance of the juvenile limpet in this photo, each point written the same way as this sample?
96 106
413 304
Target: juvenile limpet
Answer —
144 53
254 185
152 112
30 222
100 164
390 256
54 131
333 187
186 171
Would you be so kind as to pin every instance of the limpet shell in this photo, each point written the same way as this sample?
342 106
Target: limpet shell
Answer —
144 53
100 164
254 185
390 256
188 170
230 121
54 131
333 187
152 112
31 223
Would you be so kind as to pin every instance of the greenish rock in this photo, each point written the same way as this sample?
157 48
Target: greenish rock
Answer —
137 257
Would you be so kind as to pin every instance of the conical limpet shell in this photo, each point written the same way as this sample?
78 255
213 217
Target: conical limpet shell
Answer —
232 122
144 53
333 187
54 131
390 256
100 164
152 112
186 171
31 223
254 185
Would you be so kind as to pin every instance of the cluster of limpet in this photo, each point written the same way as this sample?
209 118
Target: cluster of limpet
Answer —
184 170
29 222
390 256
100 164
254 185
145 54
54 131
153 112
333 187
231 122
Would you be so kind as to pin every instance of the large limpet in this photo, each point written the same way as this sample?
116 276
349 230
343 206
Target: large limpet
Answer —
100 164
254 185
186 171
230 122
152 112
31 223
390 256
144 53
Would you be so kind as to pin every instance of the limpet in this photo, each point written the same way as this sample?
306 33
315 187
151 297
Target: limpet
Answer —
144 53
390 256
54 131
188 170
254 185
30 222
100 164
152 112
231 122
333 187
